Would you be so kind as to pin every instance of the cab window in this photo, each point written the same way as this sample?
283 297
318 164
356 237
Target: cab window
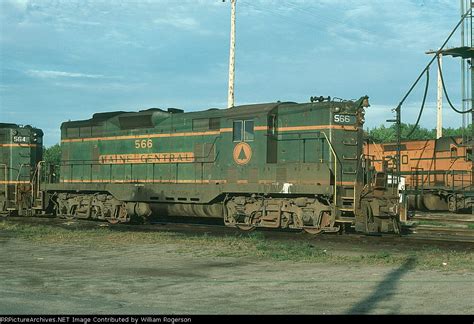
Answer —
248 134
243 131
237 131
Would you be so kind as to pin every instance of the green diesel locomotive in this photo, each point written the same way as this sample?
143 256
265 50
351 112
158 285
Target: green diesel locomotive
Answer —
274 165
21 149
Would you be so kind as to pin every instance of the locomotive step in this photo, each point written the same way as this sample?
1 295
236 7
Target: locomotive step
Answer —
346 209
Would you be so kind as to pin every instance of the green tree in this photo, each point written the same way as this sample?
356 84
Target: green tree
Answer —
52 157
52 154
384 134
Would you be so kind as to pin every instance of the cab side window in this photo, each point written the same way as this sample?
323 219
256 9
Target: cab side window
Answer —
243 131
248 134
237 131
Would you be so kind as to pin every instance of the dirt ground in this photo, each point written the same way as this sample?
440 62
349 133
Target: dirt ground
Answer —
52 278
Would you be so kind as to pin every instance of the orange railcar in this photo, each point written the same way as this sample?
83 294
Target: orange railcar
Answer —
437 173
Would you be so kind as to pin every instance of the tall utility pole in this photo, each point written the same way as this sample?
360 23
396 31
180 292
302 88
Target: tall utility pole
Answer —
463 68
439 105
439 115
230 95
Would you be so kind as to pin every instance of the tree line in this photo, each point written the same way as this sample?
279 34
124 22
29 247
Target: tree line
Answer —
384 134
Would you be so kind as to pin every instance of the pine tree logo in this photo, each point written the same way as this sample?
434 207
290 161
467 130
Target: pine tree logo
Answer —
242 153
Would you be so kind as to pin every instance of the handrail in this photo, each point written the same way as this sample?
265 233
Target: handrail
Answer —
18 179
37 175
19 170
336 159
92 163
451 178
6 181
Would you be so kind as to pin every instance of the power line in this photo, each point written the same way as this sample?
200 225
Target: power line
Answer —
317 17
446 93
422 104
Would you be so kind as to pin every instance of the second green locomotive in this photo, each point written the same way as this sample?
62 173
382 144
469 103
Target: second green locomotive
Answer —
21 149
275 165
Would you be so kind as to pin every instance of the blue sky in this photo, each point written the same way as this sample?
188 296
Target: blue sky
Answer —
66 59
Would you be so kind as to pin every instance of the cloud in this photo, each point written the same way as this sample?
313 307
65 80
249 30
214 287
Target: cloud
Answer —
106 86
47 74
20 5
80 22
186 23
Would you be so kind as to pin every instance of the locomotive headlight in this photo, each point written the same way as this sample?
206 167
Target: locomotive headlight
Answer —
337 109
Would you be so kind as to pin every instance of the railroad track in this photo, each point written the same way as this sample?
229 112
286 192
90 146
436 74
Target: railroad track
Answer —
420 234
444 218
441 226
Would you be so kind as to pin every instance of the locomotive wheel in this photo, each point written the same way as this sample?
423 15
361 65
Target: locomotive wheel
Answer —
245 228
69 217
113 221
313 231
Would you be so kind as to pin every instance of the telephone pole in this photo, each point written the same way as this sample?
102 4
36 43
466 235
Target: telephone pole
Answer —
439 114
439 105
230 95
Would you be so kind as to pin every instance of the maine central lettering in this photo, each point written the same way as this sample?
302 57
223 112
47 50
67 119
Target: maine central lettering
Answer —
179 157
